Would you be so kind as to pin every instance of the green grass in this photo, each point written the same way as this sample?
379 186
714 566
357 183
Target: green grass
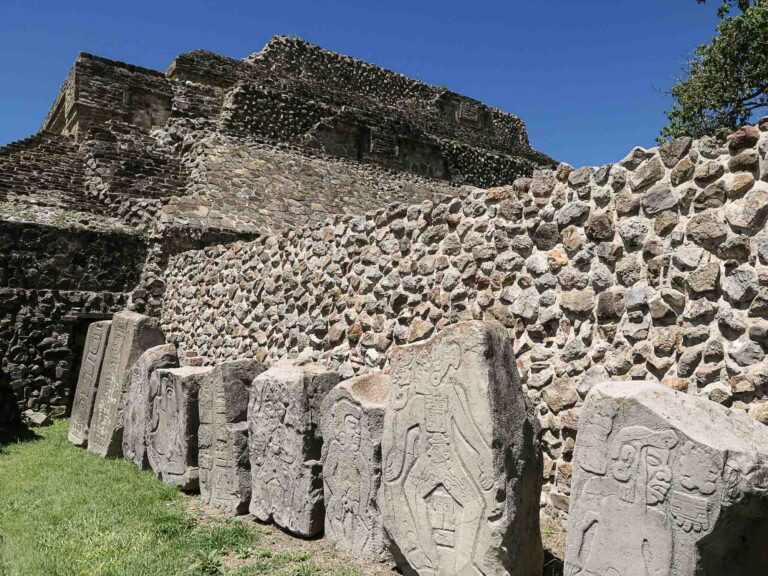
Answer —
67 512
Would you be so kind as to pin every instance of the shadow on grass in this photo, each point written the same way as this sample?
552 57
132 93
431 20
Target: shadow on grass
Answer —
17 434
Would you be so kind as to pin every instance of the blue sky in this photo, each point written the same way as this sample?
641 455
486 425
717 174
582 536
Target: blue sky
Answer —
588 77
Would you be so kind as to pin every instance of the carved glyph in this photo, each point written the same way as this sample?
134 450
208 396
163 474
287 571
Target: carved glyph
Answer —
352 423
461 462
130 336
138 407
173 425
679 492
285 445
87 381
224 466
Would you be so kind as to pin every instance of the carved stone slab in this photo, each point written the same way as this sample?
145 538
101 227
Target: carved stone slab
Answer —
130 336
352 423
173 424
87 381
225 469
460 456
666 483
137 406
285 445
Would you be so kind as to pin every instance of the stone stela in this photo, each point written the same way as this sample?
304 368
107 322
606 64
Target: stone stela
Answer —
87 382
172 428
131 335
666 484
285 445
460 457
225 470
352 424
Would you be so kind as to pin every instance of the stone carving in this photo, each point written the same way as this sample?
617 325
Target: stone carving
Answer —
352 423
285 445
130 336
682 492
138 407
87 381
173 424
225 471
461 460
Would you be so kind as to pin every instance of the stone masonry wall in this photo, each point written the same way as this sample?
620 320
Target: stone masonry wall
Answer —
655 267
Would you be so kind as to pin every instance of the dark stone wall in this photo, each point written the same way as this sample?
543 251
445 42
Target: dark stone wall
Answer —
40 333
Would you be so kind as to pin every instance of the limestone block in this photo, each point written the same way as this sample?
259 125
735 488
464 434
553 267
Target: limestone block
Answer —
225 471
285 445
138 406
352 423
460 455
130 336
87 381
173 424
666 483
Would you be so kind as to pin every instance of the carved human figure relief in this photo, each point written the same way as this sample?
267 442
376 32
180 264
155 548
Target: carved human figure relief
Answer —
452 464
87 381
172 443
674 498
285 445
352 421
139 405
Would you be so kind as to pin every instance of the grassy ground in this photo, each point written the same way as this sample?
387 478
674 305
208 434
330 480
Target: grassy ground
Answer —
67 512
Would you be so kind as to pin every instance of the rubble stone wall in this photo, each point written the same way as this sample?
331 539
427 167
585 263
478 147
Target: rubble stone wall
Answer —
41 338
654 268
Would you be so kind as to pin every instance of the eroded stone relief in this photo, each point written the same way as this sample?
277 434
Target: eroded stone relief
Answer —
138 405
460 456
172 430
662 481
87 381
130 336
225 471
285 445
352 424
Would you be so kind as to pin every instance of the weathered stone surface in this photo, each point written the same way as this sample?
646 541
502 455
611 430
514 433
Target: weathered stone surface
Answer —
130 336
352 421
460 456
138 404
674 150
172 442
648 173
659 198
87 381
224 466
707 229
666 483
285 445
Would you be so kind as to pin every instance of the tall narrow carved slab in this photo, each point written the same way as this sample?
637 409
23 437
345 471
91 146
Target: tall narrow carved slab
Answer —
87 381
225 470
460 457
666 483
352 424
130 336
285 445
173 425
138 407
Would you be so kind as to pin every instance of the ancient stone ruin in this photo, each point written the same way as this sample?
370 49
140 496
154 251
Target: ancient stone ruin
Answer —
301 212
666 483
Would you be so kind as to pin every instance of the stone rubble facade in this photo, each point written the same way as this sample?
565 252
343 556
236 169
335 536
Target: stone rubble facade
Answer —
134 165
654 268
